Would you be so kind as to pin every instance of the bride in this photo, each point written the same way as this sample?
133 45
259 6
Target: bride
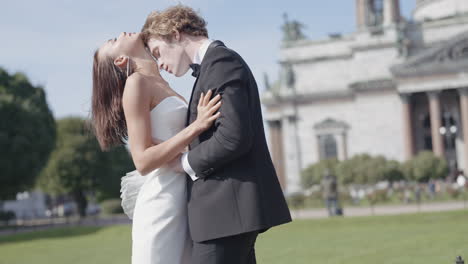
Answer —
130 100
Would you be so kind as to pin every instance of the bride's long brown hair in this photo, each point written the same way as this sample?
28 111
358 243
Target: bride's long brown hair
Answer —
107 115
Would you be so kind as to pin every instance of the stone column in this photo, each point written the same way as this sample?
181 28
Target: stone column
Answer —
341 145
407 126
464 124
276 143
292 172
391 12
344 148
436 123
361 14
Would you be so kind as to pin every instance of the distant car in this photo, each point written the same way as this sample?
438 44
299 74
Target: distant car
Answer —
69 208
62 210
93 209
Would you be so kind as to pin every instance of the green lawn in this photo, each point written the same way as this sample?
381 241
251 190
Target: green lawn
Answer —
407 239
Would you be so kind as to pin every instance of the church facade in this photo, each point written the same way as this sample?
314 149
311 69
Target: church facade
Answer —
394 87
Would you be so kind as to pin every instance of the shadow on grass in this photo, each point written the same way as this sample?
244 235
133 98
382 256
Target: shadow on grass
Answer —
59 232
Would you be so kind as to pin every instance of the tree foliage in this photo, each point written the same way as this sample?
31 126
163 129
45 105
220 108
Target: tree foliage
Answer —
313 174
77 165
425 166
366 169
359 169
27 133
118 162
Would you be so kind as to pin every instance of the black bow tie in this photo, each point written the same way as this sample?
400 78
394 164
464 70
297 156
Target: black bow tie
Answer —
196 69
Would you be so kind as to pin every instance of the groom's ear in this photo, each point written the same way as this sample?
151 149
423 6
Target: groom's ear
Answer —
121 61
176 35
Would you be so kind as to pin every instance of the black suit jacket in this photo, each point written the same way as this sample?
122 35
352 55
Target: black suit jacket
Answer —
238 190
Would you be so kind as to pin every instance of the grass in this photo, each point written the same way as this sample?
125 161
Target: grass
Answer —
425 238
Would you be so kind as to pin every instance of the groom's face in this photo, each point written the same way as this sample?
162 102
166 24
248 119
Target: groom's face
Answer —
171 55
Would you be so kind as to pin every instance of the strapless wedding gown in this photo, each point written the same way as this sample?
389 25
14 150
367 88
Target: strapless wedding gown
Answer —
157 201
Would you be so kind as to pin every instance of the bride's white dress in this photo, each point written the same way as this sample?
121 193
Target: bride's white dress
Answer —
157 201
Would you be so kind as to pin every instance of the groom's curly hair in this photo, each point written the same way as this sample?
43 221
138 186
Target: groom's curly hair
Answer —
161 24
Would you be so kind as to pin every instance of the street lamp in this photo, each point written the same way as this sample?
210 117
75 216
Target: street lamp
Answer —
449 131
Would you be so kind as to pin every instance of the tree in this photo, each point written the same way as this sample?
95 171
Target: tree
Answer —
365 169
356 170
425 166
74 164
118 162
27 133
393 171
77 165
313 174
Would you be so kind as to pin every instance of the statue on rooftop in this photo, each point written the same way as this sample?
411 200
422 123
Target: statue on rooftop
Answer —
292 30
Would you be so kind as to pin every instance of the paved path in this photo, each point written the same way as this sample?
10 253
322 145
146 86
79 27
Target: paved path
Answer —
382 210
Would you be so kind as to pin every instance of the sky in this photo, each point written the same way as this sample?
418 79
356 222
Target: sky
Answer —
53 42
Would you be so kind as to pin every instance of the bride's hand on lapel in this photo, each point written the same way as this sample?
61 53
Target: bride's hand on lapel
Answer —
206 110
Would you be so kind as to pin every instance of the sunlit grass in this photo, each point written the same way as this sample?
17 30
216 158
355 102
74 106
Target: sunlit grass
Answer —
418 238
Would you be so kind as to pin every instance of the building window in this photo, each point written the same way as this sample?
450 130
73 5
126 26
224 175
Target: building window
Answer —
328 147
331 139
376 12
427 134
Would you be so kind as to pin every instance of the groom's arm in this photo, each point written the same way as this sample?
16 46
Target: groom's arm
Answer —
233 133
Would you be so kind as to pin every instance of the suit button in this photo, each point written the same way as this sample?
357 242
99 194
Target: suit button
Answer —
208 171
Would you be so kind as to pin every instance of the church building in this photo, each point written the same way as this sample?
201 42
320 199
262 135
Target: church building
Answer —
394 87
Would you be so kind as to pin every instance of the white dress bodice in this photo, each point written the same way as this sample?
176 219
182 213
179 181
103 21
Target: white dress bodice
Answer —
157 201
168 118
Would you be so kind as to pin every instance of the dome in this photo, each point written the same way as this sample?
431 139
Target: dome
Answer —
439 9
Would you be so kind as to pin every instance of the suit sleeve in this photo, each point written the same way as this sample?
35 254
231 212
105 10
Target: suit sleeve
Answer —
233 135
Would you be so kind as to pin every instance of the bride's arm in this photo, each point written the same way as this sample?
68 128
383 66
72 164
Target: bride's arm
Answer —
145 154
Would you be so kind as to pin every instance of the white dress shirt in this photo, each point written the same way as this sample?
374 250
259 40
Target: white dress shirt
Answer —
198 58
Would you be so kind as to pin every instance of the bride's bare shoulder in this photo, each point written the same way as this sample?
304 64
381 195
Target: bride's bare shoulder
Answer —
136 92
135 81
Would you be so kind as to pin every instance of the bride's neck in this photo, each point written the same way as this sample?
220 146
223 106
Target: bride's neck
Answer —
146 67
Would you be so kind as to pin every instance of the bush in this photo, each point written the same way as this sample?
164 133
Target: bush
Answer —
393 171
111 206
360 169
454 193
313 174
425 166
296 200
378 196
365 169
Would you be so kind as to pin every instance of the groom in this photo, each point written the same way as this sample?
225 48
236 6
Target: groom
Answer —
233 190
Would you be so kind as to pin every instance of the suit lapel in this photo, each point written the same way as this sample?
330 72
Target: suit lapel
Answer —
210 47
190 103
